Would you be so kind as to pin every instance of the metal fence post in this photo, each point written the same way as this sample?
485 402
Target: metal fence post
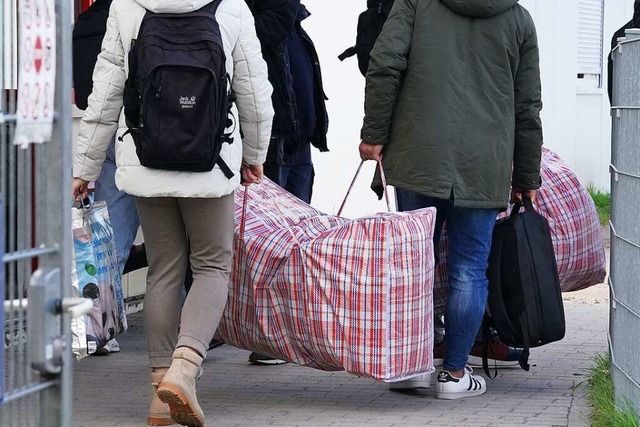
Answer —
54 192
2 277
624 333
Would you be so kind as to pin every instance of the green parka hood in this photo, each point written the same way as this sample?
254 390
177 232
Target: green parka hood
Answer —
479 8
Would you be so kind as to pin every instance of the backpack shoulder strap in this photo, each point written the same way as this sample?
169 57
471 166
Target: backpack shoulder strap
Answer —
524 359
486 340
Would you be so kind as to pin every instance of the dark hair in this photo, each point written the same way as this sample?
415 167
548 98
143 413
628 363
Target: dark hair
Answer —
91 290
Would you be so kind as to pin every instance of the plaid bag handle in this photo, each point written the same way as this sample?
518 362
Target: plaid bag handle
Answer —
384 187
243 218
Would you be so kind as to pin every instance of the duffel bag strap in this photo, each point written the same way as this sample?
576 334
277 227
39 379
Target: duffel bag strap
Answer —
243 218
384 186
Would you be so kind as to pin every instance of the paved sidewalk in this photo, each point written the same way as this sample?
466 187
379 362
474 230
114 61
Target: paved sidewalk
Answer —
114 391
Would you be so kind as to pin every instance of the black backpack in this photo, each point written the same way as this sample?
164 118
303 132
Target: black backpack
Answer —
370 24
525 301
176 100
88 33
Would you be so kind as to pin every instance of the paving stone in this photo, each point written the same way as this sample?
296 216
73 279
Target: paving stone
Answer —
113 390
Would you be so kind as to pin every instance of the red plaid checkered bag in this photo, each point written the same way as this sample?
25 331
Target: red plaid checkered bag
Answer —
575 230
332 293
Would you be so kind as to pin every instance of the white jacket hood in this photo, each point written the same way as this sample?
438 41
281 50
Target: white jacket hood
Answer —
172 6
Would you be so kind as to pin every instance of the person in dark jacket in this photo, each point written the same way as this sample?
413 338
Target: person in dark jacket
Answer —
634 23
298 100
452 109
298 96
88 33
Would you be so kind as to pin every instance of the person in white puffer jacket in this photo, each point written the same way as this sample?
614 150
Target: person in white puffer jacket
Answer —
179 210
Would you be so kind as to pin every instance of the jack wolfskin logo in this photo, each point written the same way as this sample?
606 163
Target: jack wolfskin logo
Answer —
187 102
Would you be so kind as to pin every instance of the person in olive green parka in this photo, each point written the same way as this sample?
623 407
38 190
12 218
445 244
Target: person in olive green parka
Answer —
452 108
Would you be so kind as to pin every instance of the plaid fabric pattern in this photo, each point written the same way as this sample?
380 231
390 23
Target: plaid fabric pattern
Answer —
575 231
329 292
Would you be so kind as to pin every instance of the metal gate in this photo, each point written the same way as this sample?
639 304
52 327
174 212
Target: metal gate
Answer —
625 227
35 221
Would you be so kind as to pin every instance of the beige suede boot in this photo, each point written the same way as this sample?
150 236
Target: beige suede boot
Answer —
158 410
178 388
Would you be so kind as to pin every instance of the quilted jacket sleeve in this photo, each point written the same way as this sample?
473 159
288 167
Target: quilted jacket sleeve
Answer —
253 92
528 103
100 120
386 66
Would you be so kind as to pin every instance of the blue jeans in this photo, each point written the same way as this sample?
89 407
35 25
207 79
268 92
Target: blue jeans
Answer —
122 207
291 171
470 231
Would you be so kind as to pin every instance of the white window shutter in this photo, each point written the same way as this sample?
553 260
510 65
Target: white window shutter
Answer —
590 29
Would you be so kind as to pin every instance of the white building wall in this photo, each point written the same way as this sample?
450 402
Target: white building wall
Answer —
576 117
557 25
593 121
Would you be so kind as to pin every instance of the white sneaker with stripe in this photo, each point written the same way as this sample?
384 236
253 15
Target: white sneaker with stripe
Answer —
449 388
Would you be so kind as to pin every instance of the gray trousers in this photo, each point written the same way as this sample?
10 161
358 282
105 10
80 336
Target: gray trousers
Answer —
169 225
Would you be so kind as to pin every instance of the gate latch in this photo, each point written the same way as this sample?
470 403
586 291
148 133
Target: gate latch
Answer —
45 311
